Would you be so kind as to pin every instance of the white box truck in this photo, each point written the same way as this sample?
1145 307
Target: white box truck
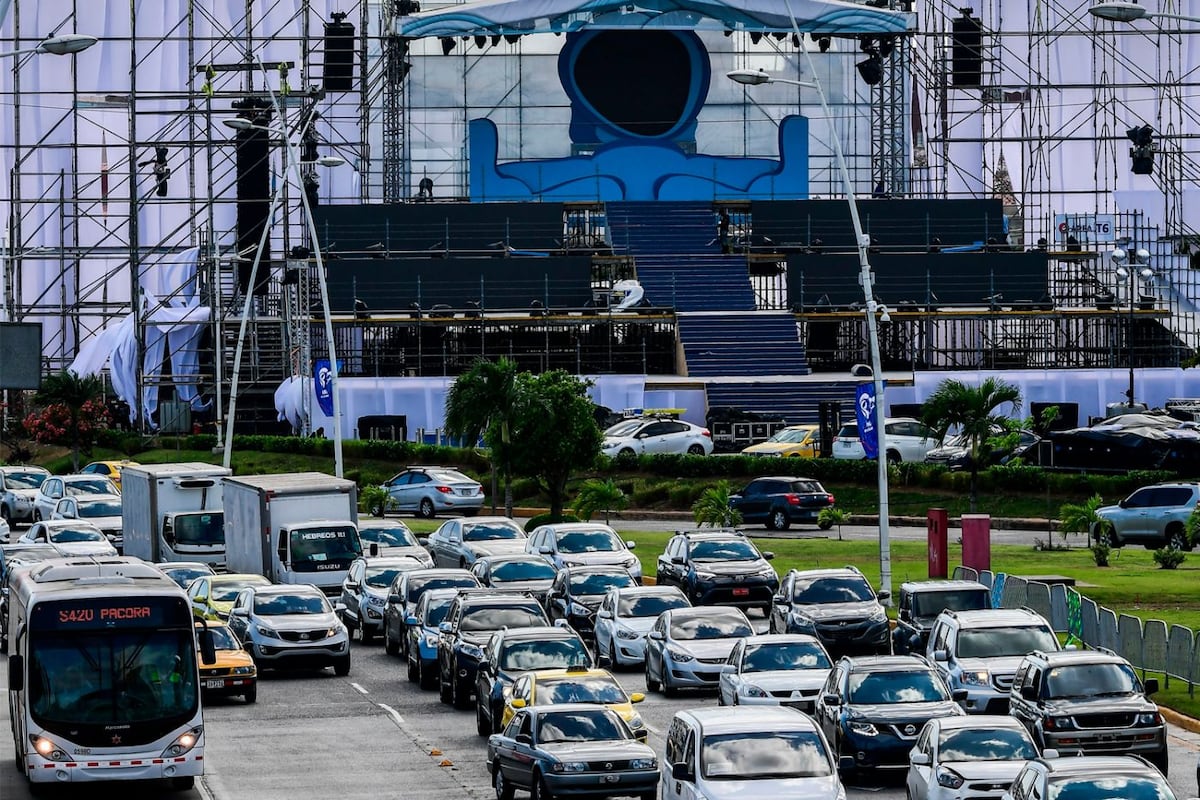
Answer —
173 512
298 527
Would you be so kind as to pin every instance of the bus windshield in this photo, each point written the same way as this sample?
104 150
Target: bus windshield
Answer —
205 528
317 550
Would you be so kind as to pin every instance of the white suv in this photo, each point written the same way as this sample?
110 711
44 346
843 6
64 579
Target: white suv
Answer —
906 439
648 435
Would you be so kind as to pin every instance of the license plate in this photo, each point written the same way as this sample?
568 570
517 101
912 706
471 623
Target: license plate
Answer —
219 683
741 592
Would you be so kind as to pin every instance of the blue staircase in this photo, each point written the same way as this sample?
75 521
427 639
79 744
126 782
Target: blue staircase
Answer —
794 401
755 343
678 256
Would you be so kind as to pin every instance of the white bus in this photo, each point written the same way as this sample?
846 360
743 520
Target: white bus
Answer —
102 676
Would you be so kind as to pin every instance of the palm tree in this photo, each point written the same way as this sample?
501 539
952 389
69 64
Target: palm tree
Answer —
972 411
712 508
74 394
480 403
597 494
1082 518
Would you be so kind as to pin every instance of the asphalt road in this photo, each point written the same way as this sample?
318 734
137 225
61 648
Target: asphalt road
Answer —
374 735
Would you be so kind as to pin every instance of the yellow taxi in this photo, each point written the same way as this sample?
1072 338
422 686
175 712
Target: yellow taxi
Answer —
109 469
575 685
234 672
802 441
212 596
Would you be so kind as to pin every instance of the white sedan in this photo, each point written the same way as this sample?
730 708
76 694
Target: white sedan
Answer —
775 669
70 537
626 615
954 755
101 510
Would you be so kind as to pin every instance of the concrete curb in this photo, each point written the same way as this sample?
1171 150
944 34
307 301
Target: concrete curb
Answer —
1002 523
1179 720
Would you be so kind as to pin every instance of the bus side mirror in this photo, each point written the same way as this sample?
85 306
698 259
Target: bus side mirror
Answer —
208 649
16 673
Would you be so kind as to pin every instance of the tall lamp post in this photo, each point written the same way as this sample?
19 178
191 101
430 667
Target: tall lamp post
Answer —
751 77
294 162
1128 12
1131 269
63 45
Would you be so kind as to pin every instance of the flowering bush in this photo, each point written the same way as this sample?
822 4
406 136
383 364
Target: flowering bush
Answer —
77 428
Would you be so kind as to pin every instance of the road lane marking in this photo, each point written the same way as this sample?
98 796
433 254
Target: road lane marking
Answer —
395 715
359 688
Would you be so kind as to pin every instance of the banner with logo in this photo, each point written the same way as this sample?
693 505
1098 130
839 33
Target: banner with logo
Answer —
864 410
323 384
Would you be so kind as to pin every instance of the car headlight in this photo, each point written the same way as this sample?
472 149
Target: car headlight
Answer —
643 763
878 615
183 742
570 766
578 610
949 778
334 631
705 576
1058 724
862 728
48 748
263 630
752 691
636 722
1150 719
679 656
470 650
975 677
628 635
570 562
247 670
379 602
802 621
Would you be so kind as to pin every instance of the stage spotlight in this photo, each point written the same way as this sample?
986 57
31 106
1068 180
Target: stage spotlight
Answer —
447 45
795 41
778 36
755 37
495 39
887 44
512 38
480 41
871 70
728 32
866 44
824 43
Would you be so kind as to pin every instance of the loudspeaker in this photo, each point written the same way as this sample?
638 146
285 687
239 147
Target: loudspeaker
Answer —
966 64
339 54
1068 415
253 198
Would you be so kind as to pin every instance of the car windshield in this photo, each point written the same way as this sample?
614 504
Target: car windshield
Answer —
580 726
325 548
206 528
908 686
226 591
185 575
1109 787
710 626
579 690
273 605
997 642
435 612
790 655
90 486
649 605
68 535
388 537
985 744
1091 680
382 577
418 588
732 550
927 605
626 428
593 541
554 654
790 436
832 590
535 569
100 508
223 638
493 619
24 480
764 756
487 531
599 582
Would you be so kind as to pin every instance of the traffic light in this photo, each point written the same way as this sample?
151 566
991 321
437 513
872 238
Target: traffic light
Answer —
1142 152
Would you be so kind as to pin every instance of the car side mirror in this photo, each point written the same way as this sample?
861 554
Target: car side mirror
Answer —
729 669
655 635
339 606
883 596
445 627
517 702
604 614
846 764
239 612
373 550
779 600
16 673
637 697
830 699
632 545
546 551
642 735
1029 693
1049 752
677 560
411 620
920 759
395 599
680 772
525 739
1151 686
768 555
208 648
959 695
941 655
423 541
351 584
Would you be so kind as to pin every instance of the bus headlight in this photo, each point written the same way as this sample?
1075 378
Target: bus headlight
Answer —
47 748
184 742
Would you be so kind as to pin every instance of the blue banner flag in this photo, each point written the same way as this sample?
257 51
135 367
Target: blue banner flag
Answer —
323 384
864 410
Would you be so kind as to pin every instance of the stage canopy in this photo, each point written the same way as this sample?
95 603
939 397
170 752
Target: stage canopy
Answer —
521 17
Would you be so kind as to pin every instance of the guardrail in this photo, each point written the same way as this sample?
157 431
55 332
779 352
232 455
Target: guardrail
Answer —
1150 645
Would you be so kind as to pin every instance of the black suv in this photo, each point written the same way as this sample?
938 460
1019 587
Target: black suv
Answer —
837 606
1088 702
718 567
872 709
513 652
922 601
402 599
576 593
474 615
781 502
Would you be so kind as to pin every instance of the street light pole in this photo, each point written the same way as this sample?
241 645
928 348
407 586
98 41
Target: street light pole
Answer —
64 45
1127 269
758 77
1120 11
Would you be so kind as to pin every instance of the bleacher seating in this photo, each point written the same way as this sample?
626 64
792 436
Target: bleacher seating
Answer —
757 343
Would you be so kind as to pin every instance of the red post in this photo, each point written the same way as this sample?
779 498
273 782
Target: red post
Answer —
977 541
937 520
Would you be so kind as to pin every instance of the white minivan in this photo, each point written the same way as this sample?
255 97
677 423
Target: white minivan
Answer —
906 439
747 751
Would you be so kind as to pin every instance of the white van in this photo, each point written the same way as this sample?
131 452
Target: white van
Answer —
747 751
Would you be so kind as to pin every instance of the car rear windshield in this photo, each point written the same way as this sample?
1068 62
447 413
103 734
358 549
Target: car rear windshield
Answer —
417 588
649 605
599 582
986 744
382 577
532 570
223 638
493 619
807 487
792 655
909 686
595 541
580 690
710 626
848 432
998 642
1109 787
449 476
731 550
554 654
1091 680
484 532
832 590
927 605
767 755
580 726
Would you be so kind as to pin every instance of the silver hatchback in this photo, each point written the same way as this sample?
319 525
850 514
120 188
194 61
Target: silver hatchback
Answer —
429 491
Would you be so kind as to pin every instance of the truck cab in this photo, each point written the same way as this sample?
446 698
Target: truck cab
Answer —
319 552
